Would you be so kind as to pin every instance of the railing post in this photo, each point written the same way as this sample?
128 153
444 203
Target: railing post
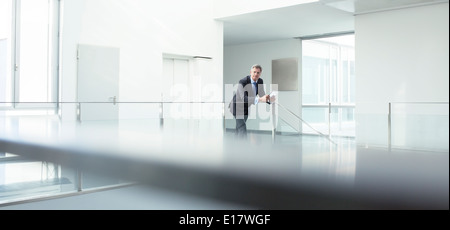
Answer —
79 181
161 115
273 117
223 117
390 126
329 120
78 111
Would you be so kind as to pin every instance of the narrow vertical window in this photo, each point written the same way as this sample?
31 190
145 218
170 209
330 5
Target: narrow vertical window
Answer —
328 79
29 54
6 28
33 51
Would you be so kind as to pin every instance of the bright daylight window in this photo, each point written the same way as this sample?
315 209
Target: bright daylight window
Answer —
28 55
329 83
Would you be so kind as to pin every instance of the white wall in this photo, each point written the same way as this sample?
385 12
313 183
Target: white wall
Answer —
238 60
143 31
401 56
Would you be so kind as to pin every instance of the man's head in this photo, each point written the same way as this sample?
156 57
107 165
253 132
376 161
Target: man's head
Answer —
255 72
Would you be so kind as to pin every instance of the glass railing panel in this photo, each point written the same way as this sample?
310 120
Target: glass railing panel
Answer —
288 121
421 126
342 121
193 110
285 127
317 118
22 179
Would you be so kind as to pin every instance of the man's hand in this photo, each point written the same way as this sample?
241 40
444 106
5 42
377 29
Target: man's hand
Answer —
264 98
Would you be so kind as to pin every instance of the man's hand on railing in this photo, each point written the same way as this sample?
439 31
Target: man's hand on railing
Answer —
267 99
273 98
264 98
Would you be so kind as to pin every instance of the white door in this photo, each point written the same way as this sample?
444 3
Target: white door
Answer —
98 82
176 88
176 80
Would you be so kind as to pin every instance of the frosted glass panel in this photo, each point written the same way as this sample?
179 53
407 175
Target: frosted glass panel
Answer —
317 118
420 126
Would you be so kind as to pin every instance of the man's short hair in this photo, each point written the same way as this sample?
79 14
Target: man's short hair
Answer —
258 67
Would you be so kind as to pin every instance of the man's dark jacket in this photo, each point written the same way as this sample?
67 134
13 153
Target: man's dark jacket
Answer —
245 97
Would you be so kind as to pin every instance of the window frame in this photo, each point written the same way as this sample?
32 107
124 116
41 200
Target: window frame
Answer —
329 88
15 106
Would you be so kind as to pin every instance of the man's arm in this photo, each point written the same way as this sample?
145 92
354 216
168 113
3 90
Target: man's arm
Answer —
261 91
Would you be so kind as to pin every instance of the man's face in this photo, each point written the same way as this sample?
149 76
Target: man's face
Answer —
255 73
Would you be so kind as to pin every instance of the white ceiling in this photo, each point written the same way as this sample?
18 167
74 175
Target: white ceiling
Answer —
304 20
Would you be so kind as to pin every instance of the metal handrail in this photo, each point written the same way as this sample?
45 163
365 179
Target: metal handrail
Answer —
306 123
117 102
161 108
326 106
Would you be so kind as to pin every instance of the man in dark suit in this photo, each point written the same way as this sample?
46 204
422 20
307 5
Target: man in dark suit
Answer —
250 91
